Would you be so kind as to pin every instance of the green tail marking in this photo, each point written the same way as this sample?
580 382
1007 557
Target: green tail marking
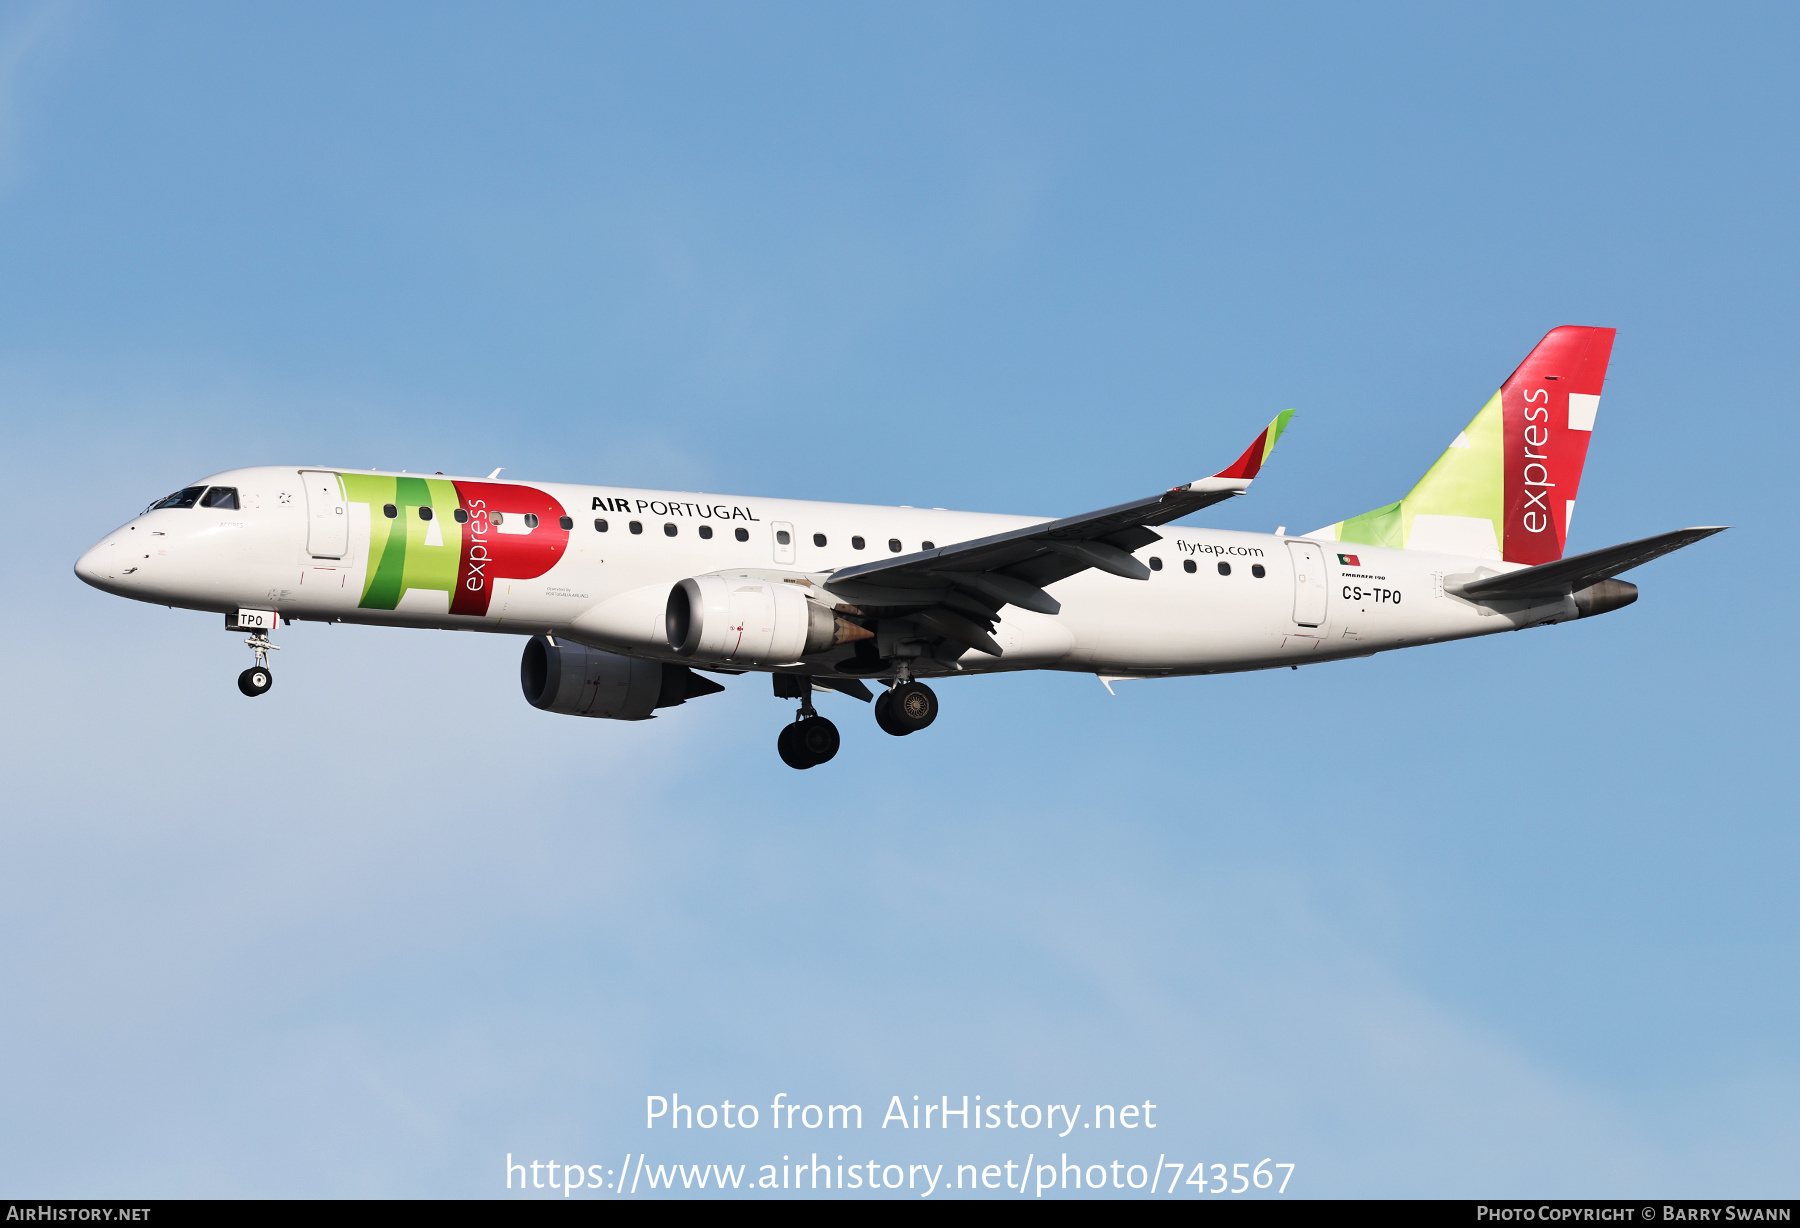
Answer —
1466 481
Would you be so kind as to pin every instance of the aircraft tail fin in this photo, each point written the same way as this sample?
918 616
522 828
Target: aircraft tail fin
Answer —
1505 487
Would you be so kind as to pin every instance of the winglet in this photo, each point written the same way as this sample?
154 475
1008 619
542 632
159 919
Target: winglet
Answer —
1237 476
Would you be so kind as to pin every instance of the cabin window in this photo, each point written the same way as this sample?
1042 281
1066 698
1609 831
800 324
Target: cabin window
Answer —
856 543
1256 569
928 545
819 539
567 522
1155 563
742 535
221 496
389 510
636 526
424 513
783 537
187 496
460 515
531 520
706 532
670 530
600 526
1187 565
496 518
1224 569
894 544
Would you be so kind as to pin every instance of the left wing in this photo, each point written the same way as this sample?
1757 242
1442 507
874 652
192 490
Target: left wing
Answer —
965 584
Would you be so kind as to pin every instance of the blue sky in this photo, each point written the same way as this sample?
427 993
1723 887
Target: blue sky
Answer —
1514 916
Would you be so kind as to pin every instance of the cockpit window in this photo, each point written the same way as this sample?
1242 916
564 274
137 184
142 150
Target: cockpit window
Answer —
220 496
185 497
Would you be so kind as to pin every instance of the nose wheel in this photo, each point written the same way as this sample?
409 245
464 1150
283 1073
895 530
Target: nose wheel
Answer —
906 708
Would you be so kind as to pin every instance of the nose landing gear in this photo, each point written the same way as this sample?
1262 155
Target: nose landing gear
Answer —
258 678
811 739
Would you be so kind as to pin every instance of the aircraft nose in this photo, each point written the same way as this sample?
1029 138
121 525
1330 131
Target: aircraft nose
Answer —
96 566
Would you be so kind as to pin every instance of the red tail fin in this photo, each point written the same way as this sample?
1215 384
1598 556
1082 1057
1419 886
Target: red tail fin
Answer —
1548 407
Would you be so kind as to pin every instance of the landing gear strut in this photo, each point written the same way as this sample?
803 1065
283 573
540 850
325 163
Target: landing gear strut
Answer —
258 678
906 708
811 739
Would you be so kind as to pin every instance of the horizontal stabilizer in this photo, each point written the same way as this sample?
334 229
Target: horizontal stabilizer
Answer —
1579 571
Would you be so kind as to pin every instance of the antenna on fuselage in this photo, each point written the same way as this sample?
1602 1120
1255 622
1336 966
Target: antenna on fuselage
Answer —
495 473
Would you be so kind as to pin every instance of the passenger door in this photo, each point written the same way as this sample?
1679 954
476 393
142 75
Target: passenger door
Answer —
327 515
1309 583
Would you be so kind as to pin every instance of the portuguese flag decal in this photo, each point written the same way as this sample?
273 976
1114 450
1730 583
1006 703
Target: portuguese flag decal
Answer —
1349 560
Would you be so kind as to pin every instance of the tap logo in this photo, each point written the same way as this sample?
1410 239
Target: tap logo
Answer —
455 538
513 533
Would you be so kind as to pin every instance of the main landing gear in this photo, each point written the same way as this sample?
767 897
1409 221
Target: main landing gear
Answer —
906 708
811 739
808 742
258 678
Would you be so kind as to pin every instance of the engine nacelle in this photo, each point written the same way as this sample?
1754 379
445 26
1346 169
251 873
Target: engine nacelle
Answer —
580 681
725 618
1603 597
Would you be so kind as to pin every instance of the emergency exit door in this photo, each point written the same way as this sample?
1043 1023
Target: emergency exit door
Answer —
784 541
327 515
1309 583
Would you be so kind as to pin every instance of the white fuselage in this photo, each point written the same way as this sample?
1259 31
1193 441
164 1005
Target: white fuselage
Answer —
1308 603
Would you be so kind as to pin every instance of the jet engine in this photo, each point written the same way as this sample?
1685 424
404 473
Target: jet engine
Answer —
580 681
727 618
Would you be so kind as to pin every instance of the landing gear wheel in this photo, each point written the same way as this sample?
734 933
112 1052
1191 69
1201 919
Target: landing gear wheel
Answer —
255 681
808 743
884 715
910 707
819 738
789 748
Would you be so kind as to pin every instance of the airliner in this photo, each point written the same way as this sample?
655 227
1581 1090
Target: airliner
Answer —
631 601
